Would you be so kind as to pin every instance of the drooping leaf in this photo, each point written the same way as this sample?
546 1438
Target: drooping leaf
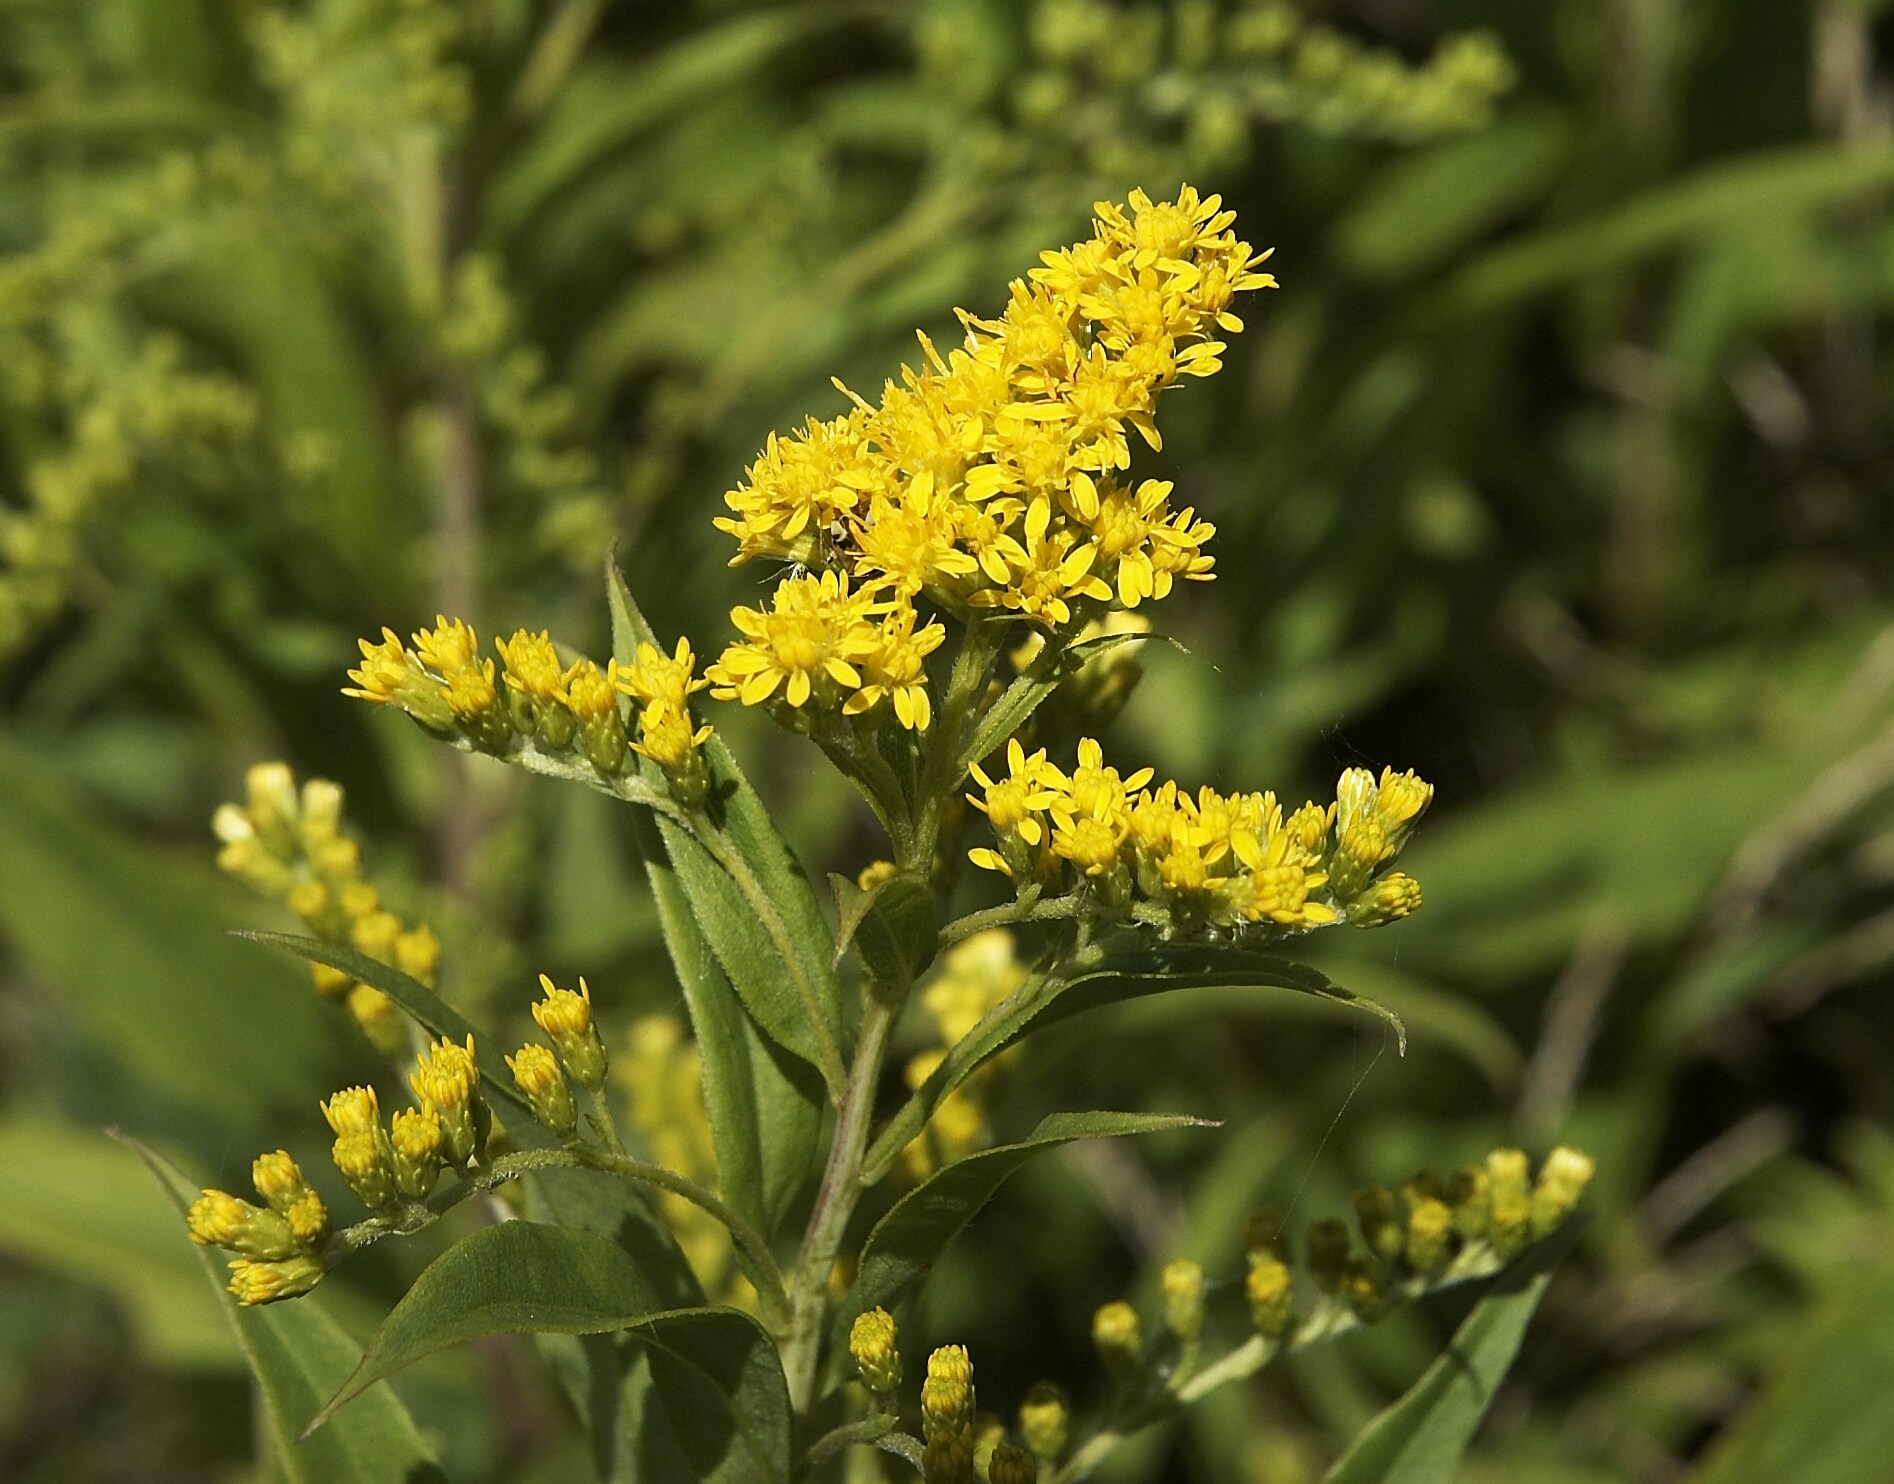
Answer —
428 1008
907 1241
520 1277
716 1378
1040 1005
767 931
1420 1438
891 925
299 1356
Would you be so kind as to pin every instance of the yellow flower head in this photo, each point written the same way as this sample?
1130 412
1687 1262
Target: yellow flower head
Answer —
449 646
354 1110
532 665
564 1012
811 637
893 670
446 1076
416 1134
656 677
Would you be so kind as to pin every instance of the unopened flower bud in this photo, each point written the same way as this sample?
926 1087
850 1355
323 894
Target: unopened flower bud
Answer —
1391 898
378 1017
367 1166
278 1180
1509 1170
1010 1465
264 1282
446 1078
1361 1285
1044 1419
1509 1223
947 1394
566 1017
418 954
1470 1193
872 1343
1374 1209
1119 1338
1270 1290
415 1134
1429 1229
536 1070
1183 1298
218 1219
308 1220
1562 1180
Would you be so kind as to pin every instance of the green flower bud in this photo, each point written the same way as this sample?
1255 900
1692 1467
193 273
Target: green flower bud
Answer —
1183 1298
872 1343
1044 1418
1119 1338
1374 1209
1270 1290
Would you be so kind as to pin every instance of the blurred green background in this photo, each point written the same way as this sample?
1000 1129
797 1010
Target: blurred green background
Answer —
1558 469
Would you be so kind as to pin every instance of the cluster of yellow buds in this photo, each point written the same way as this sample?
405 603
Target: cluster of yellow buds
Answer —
449 1126
278 1245
565 1015
281 1249
533 696
1221 860
994 476
290 845
973 976
958 1445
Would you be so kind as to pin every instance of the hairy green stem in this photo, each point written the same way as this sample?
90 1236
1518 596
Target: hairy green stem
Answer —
834 1203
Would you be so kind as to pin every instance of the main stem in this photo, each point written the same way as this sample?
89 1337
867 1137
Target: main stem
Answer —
834 1202
842 1175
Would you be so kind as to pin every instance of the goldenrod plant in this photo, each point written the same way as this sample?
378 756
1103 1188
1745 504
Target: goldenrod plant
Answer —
951 562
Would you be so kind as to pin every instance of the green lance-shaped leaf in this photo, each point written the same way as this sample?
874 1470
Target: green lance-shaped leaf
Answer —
1420 1438
891 925
907 1241
764 1105
1033 684
520 1277
428 1008
750 896
299 1356
1043 1003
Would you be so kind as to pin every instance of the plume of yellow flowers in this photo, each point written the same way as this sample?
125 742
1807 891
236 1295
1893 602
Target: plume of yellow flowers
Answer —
993 477
290 844
1209 860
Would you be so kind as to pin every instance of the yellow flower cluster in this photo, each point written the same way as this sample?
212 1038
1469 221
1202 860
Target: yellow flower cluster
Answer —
289 844
820 641
993 476
1222 860
445 685
973 977
278 1247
